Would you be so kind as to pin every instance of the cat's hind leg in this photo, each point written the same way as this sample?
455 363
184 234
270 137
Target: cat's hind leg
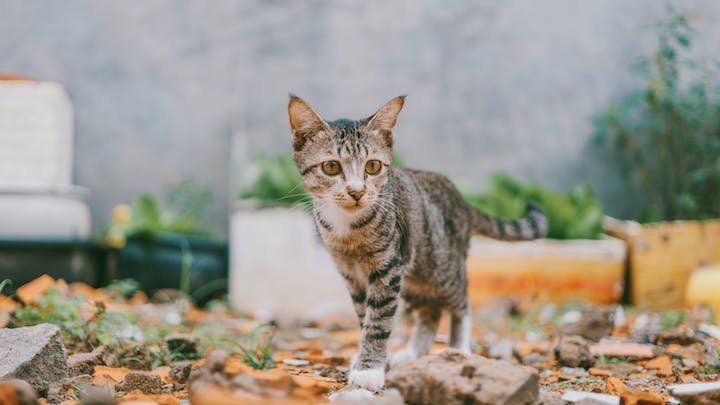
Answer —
423 334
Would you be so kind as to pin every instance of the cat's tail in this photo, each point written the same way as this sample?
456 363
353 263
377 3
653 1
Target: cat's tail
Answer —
533 226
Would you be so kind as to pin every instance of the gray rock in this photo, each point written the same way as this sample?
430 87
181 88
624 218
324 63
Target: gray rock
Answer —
296 362
35 354
501 350
594 324
573 351
84 363
452 377
98 396
697 393
180 371
140 380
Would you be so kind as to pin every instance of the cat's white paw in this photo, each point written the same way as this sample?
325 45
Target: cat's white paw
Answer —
371 379
403 356
358 395
353 360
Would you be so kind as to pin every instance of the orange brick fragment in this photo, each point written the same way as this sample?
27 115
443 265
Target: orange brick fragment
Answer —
108 375
598 372
662 364
33 290
615 386
643 398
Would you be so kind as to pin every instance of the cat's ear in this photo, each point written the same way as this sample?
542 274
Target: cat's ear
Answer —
385 118
304 121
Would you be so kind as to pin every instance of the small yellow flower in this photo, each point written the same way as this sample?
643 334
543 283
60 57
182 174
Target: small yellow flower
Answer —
121 214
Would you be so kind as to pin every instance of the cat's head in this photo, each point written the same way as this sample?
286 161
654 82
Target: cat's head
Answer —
344 163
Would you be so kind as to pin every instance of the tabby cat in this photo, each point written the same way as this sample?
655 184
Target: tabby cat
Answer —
393 233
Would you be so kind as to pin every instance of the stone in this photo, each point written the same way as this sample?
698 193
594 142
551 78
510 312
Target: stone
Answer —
501 350
83 363
184 343
98 396
296 362
60 391
623 349
180 371
143 381
576 397
323 370
681 334
594 324
216 360
573 351
697 393
20 392
35 354
439 379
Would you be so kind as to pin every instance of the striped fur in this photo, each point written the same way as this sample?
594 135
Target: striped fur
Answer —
405 239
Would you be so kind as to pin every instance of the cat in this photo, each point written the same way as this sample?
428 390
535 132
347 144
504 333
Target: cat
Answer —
393 233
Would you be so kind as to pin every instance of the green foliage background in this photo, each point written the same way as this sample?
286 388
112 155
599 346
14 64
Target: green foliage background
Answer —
665 135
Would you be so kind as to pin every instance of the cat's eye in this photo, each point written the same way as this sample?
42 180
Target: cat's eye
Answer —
373 166
331 167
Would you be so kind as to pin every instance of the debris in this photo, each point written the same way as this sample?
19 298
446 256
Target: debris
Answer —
501 350
296 362
662 364
180 371
83 363
35 354
594 324
14 391
142 381
711 330
697 393
577 396
323 370
439 378
31 291
183 343
681 334
573 351
60 391
599 372
108 375
622 349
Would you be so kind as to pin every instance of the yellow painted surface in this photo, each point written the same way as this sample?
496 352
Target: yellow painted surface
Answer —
663 257
704 288
547 275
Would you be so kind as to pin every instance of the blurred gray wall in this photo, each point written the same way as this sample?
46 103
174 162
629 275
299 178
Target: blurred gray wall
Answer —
161 87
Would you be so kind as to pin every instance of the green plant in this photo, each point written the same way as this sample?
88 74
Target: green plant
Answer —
671 319
4 283
182 213
665 136
123 289
573 215
277 182
256 351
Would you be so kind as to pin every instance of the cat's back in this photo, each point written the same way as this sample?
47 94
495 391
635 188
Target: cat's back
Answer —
433 186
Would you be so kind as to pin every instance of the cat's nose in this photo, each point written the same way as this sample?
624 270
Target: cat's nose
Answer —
356 194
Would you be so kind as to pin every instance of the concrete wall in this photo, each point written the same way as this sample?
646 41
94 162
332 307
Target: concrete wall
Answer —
161 87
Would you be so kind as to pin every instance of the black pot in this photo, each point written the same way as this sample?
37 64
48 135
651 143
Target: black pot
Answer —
157 262
72 260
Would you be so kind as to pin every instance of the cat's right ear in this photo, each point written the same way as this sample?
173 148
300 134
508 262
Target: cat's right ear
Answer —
304 121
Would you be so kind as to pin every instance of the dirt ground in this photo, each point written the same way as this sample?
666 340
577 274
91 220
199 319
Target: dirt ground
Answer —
126 347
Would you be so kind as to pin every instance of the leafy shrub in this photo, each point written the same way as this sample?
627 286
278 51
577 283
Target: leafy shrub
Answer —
665 135
183 212
575 215
277 182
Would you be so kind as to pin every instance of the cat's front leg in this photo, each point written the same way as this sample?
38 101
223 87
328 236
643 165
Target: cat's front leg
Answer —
381 303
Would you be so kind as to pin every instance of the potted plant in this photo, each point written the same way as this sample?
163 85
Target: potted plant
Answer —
274 248
576 261
665 137
165 245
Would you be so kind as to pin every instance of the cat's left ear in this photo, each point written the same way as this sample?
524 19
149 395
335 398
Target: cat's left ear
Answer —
385 118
